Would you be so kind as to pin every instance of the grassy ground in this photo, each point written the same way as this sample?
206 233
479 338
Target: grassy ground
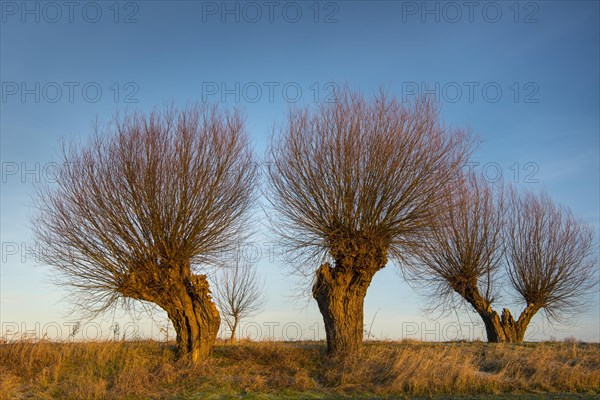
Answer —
269 370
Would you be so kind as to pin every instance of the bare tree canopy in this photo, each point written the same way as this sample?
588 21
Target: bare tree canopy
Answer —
239 293
550 256
488 233
354 182
143 202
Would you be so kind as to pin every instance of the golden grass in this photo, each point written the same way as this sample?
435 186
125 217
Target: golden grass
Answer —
133 370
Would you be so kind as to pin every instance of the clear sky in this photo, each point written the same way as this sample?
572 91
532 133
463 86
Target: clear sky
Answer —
524 76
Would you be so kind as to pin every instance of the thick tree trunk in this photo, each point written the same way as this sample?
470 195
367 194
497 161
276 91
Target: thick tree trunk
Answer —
194 316
340 292
186 299
493 327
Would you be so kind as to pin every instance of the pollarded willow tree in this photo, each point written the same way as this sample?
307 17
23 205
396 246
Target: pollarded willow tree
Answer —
488 233
146 201
354 183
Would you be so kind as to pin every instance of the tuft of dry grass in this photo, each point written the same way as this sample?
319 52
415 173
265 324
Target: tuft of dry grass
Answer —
146 369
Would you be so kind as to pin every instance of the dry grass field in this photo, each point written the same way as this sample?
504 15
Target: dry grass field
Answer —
265 370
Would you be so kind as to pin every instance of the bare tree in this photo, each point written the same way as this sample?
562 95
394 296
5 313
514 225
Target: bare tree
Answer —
239 294
546 253
136 210
353 183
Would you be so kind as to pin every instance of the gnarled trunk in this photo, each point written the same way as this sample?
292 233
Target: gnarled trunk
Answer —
499 329
505 328
340 292
194 316
186 299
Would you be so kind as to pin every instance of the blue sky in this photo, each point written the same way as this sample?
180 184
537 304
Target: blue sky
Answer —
523 76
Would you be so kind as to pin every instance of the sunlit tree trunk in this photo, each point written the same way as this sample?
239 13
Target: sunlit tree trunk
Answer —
340 292
194 317
186 299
